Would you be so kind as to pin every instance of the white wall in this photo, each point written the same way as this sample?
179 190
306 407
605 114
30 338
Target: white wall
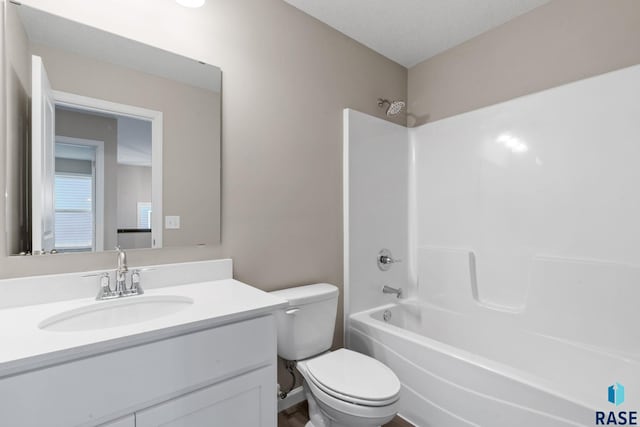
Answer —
543 192
376 189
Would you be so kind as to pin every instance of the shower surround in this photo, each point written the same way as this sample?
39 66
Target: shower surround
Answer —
518 227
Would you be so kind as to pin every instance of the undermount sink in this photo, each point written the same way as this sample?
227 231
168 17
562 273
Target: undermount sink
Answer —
109 314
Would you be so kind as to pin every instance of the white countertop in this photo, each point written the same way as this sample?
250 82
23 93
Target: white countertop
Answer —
24 346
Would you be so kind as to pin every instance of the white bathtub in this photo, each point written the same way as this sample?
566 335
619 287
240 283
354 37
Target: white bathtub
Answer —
462 370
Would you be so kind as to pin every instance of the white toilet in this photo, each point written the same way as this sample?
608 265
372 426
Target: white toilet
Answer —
343 388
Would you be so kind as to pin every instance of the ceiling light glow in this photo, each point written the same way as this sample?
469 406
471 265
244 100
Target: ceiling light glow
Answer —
191 3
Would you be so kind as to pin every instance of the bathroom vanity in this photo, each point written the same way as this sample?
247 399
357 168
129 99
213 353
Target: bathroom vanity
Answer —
198 348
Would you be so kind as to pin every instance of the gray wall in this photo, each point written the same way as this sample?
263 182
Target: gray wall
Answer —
75 124
560 42
191 133
134 240
134 185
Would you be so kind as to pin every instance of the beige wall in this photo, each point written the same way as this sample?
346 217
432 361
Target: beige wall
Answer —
191 133
560 42
75 124
134 240
134 185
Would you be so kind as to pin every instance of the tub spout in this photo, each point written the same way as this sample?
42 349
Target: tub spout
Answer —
389 290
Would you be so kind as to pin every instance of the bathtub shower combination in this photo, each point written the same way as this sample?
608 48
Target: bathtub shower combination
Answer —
519 234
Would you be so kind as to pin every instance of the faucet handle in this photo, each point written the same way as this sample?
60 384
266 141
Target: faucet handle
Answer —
385 260
135 283
105 290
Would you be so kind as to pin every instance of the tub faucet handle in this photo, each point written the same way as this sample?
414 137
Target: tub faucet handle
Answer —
388 260
385 260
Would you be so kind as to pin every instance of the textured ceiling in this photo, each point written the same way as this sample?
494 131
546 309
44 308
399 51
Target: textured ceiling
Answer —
410 31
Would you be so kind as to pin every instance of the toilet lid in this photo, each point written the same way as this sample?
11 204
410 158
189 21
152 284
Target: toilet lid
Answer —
354 375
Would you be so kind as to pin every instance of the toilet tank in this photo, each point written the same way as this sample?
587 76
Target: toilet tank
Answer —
305 327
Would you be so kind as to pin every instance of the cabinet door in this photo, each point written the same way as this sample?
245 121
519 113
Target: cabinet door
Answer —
129 421
245 401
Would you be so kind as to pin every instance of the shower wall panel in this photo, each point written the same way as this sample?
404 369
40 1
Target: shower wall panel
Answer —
376 202
532 206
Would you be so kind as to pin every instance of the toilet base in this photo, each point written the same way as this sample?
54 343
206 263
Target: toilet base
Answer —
319 415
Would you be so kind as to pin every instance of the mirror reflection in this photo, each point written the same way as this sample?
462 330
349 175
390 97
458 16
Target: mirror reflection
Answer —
110 142
80 218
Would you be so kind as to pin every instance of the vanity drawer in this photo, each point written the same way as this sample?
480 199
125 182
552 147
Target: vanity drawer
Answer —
238 402
101 388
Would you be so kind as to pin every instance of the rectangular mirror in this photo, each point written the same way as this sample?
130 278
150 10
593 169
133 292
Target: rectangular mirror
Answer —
110 142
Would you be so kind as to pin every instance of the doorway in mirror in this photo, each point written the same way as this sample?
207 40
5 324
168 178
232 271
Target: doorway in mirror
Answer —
108 161
103 181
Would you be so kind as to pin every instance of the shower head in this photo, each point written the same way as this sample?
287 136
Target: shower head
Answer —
395 107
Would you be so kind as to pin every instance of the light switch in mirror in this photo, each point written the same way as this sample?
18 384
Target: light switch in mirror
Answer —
104 134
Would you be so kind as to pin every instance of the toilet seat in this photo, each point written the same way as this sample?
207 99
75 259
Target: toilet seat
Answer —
353 377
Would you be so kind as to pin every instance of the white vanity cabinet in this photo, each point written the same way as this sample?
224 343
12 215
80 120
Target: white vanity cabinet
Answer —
236 402
223 376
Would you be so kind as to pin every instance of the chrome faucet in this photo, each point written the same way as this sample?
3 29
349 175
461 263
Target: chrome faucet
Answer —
106 291
389 290
121 272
